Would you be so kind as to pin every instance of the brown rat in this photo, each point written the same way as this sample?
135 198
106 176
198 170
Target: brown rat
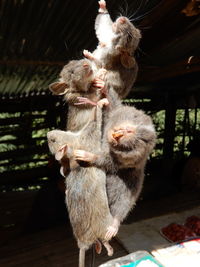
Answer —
129 138
77 79
86 197
117 44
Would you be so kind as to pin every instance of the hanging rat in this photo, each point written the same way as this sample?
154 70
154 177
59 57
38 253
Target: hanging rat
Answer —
78 79
86 197
118 41
129 137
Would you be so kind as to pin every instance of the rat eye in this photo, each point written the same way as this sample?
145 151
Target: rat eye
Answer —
53 140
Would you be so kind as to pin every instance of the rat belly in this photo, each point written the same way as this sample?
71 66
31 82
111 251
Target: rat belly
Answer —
85 191
87 204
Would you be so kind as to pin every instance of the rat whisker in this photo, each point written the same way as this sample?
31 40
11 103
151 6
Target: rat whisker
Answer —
148 12
138 8
125 9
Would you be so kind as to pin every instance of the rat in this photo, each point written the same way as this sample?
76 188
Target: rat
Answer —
118 41
86 197
78 79
129 137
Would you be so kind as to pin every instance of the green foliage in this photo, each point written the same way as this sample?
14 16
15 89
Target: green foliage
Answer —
159 122
29 133
187 125
32 135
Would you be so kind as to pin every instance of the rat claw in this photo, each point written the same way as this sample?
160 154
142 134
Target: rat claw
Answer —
85 100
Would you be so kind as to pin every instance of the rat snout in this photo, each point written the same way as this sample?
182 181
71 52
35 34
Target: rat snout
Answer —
117 135
121 20
124 131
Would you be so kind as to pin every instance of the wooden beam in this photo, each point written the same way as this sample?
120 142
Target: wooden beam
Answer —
163 9
32 62
170 122
155 73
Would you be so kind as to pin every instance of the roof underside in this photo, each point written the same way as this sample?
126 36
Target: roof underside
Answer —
38 37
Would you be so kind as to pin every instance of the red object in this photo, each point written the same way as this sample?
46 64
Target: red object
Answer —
193 222
176 232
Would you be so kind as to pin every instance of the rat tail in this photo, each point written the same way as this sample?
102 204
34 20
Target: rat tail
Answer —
92 264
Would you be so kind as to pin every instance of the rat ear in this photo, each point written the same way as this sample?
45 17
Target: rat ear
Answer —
61 152
127 60
62 171
58 88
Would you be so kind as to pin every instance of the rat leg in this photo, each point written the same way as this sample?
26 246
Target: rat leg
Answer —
112 230
98 246
108 248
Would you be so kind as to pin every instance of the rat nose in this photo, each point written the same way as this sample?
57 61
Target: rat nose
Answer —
122 20
117 135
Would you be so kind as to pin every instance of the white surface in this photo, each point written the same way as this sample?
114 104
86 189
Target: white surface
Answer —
185 255
144 235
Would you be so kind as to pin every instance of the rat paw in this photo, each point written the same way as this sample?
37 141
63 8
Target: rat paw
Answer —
84 101
83 155
102 4
111 232
99 83
103 102
88 54
108 248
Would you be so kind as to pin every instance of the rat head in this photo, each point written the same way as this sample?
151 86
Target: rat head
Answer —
57 143
76 74
121 135
127 35
77 70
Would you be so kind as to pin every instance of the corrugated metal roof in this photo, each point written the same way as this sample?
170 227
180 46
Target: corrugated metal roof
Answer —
38 37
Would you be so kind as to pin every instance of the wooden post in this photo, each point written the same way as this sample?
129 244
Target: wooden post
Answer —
170 120
168 147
